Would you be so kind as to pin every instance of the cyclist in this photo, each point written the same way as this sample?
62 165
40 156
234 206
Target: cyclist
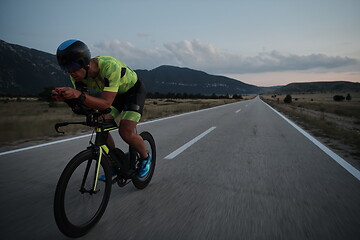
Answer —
120 88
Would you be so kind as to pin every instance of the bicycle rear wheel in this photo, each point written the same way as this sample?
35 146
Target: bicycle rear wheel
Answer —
149 141
77 208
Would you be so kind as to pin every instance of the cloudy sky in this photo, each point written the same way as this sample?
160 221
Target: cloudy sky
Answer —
260 42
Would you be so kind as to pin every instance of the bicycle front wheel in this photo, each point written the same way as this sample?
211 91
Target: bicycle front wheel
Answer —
77 206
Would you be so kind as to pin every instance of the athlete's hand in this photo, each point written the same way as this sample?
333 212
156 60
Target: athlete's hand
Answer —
68 93
57 95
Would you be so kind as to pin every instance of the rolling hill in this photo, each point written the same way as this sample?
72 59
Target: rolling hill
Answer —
165 79
26 71
319 87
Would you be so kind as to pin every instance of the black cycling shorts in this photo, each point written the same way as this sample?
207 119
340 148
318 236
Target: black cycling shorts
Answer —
130 104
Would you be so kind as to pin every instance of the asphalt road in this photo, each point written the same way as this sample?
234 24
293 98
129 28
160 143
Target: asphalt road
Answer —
234 172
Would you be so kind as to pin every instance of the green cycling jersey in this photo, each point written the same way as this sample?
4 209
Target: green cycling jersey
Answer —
114 76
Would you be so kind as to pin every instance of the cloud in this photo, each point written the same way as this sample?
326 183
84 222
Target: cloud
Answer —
133 56
277 62
204 56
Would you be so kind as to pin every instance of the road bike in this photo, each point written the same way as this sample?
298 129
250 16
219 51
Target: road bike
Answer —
80 197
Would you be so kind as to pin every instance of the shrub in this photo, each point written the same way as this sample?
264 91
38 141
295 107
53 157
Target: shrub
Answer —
348 97
288 99
338 98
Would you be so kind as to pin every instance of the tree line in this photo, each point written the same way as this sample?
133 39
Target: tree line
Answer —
190 96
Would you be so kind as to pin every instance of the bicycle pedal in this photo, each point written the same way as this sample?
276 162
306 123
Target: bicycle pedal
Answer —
114 180
123 182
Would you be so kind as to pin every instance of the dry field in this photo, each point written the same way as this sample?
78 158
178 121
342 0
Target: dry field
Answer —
336 124
26 122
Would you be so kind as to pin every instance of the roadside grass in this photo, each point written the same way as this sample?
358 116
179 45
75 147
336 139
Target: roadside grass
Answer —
325 103
338 123
25 121
22 121
158 108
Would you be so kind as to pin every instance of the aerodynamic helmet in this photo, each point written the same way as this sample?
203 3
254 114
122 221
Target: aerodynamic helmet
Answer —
73 55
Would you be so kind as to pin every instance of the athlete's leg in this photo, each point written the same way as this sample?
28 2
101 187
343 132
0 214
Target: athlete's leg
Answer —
131 104
109 141
129 135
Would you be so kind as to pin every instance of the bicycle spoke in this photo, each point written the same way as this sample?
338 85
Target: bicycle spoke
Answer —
85 174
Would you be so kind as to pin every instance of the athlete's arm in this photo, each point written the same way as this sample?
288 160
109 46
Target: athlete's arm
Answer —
101 103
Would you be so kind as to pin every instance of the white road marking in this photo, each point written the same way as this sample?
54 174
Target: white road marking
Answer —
187 145
337 158
43 145
238 111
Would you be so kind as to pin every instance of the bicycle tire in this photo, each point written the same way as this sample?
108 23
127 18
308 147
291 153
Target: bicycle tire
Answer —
66 224
141 183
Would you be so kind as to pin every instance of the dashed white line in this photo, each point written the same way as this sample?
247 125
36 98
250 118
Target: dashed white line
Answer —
187 145
238 111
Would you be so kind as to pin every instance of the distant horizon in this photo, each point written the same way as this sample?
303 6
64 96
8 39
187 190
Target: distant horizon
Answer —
235 77
297 78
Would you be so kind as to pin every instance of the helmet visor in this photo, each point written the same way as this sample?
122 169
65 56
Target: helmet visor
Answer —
71 67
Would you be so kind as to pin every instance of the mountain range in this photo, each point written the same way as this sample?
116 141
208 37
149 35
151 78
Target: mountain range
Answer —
26 71
165 79
319 87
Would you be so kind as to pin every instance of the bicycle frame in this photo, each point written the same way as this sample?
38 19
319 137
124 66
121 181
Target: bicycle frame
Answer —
100 143
102 128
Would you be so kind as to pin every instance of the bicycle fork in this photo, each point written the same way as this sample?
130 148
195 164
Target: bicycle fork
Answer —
98 149
99 154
